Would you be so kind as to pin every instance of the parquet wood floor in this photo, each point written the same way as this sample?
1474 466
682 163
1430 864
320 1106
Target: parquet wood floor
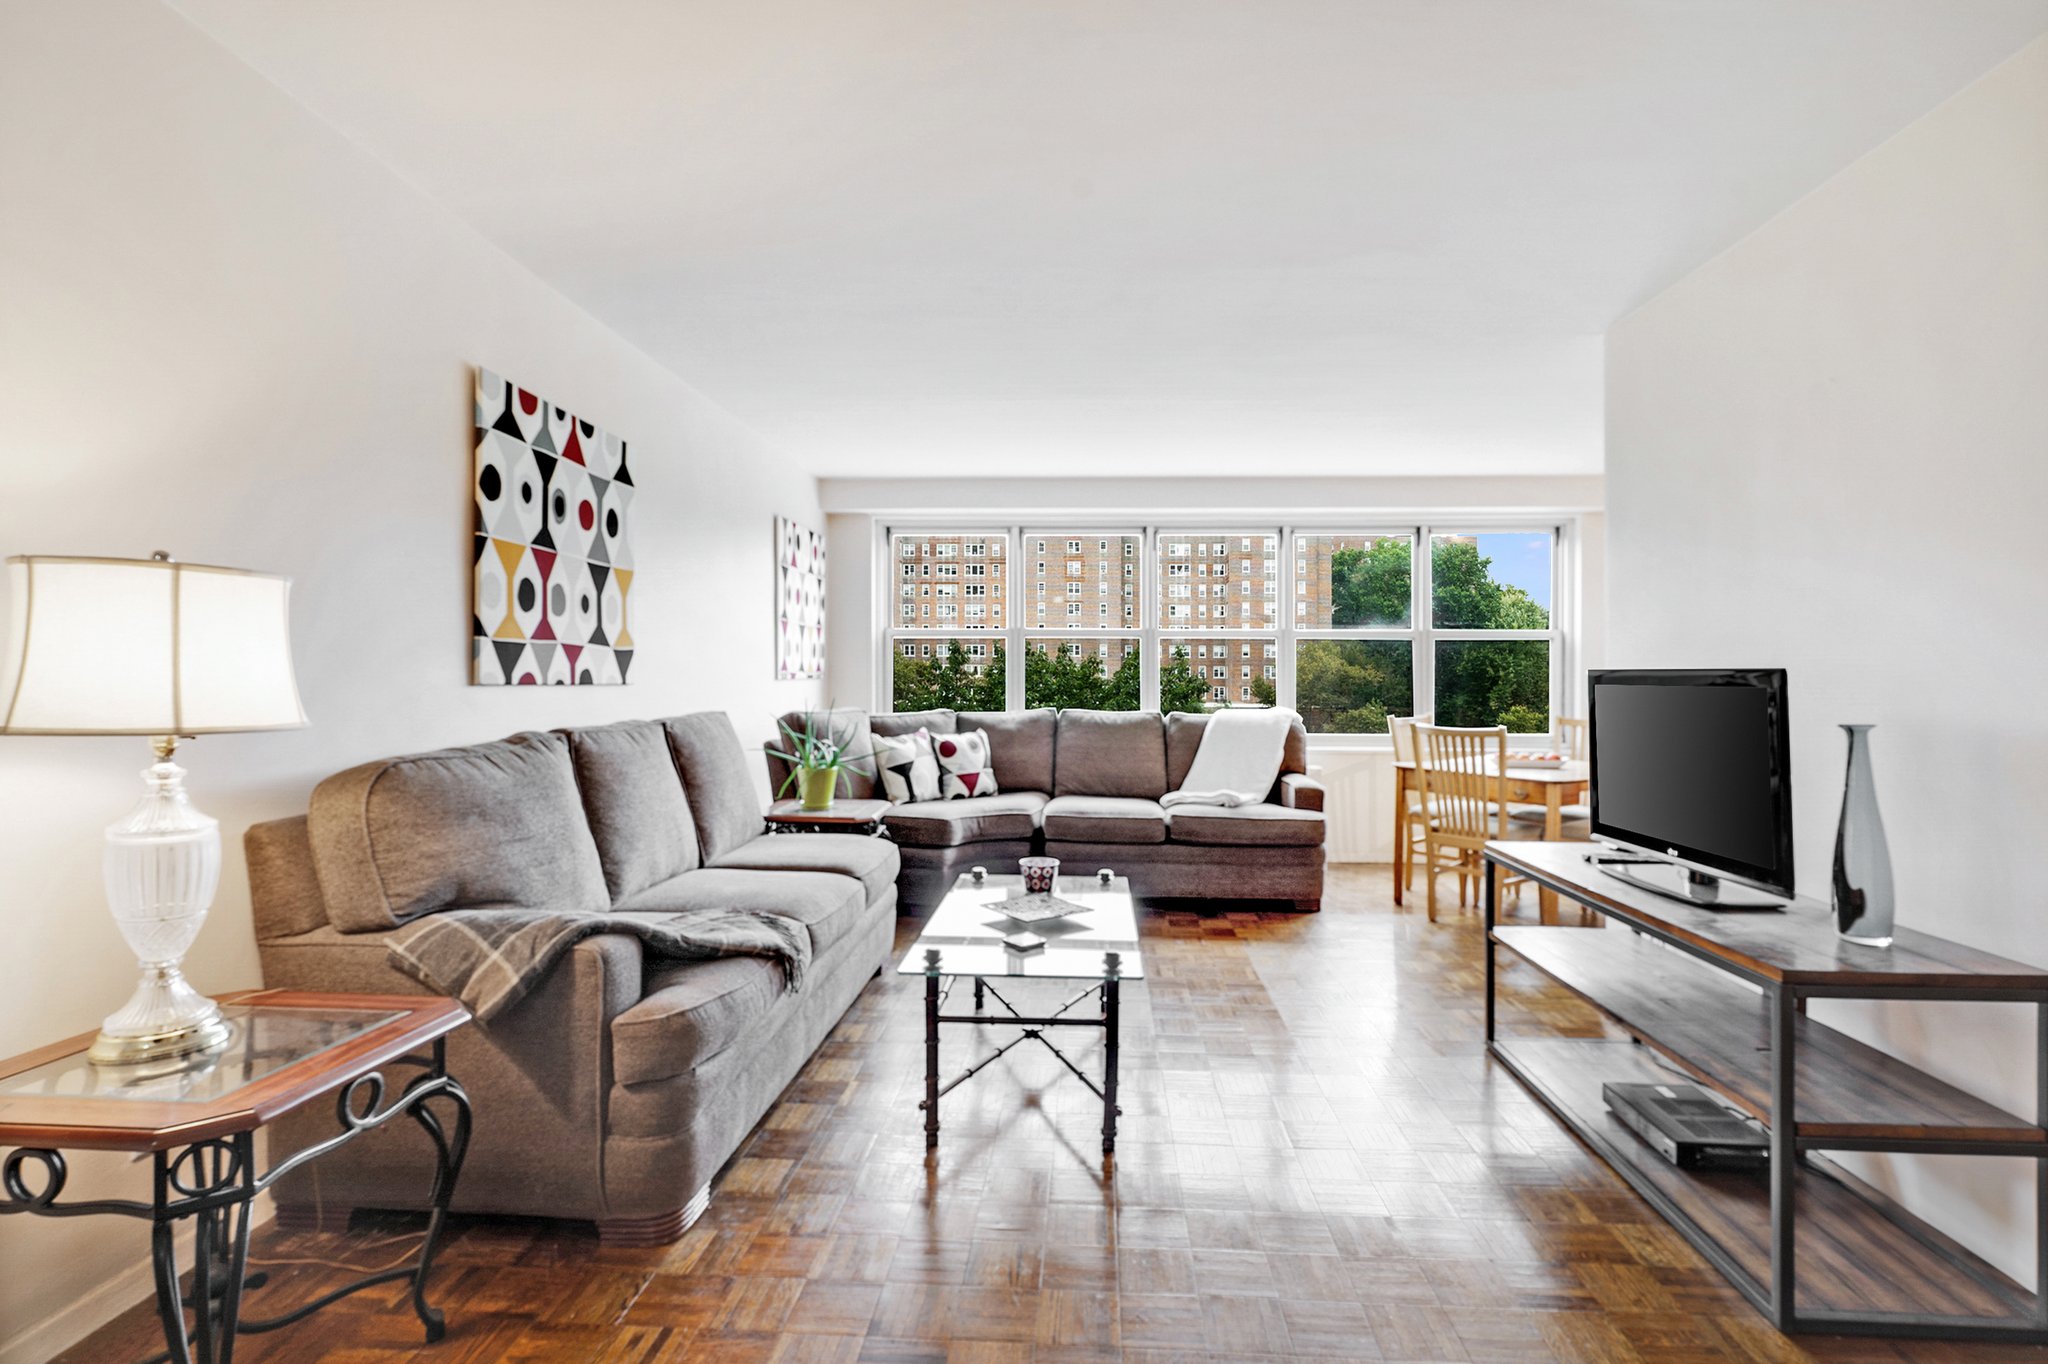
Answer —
1317 1162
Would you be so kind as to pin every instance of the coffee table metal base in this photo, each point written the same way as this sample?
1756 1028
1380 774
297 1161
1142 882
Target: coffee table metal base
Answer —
1108 992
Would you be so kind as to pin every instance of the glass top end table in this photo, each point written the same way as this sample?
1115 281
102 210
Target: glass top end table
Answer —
262 1039
378 1058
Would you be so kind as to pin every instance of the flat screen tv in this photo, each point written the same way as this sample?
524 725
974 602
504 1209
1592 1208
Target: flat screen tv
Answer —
1692 777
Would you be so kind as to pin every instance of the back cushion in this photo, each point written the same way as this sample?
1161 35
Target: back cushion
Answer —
634 800
484 827
284 890
717 780
897 724
848 725
1184 736
1110 753
1020 745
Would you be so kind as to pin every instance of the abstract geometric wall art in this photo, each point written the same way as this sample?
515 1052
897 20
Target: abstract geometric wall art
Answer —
552 560
799 601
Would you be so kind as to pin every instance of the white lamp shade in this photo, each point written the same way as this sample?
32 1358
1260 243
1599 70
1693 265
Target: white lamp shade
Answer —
145 646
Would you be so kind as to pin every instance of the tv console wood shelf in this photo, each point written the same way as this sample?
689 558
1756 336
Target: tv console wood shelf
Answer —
1719 997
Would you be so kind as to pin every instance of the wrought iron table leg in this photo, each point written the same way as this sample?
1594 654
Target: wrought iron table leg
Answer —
163 1257
931 1053
1112 1000
449 1152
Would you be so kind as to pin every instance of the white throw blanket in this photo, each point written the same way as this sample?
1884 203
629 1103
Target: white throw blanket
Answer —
1239 759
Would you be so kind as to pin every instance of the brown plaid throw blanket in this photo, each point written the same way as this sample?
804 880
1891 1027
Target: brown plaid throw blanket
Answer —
490 958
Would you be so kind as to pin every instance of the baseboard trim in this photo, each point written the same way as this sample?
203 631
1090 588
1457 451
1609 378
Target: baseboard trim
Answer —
79 1318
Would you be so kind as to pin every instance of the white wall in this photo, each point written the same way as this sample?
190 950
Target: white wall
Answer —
1360 780
227 333
1828 450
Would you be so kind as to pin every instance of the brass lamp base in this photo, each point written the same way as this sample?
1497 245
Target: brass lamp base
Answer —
131 1049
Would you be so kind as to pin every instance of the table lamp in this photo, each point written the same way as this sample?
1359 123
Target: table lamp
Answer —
166 650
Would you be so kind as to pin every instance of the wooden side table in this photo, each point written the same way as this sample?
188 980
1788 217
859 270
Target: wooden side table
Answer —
198 1117
845 817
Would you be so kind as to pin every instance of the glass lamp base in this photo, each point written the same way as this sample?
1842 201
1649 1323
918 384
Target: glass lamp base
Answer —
130 1049
162 867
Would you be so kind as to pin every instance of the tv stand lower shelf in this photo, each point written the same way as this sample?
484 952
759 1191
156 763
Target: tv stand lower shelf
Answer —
1720 1000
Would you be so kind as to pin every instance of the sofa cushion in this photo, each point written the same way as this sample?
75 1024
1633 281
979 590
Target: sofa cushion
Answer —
827 904
909 768
1246 826
1184 737
847 725
953 823
634 800
493 826
1110 753
716 779
897 723
691 1012
1105 819
964 769
1020 744
871 861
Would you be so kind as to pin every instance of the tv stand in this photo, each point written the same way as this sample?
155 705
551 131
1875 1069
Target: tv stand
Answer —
1676 882
1720 1000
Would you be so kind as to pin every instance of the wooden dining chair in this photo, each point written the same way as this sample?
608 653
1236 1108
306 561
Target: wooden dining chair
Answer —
1572 743
1461 776
1571 737
1408 818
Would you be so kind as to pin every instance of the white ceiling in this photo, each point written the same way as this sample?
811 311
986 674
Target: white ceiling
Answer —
924 238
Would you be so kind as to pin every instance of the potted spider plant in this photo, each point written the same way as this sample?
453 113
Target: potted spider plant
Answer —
817 758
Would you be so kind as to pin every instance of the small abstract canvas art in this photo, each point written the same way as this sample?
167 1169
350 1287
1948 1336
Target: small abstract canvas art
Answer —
552 561
799 600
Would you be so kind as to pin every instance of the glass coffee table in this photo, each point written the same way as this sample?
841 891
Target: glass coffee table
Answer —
963 940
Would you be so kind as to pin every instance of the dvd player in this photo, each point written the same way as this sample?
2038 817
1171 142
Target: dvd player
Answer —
1689 1126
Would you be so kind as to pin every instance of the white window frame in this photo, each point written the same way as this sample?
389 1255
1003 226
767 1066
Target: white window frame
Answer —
1143 561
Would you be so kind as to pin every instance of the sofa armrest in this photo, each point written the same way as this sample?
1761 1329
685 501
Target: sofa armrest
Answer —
1300 792
539 1079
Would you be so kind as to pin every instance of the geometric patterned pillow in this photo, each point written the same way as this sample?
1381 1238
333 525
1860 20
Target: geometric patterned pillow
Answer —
964 765
909 769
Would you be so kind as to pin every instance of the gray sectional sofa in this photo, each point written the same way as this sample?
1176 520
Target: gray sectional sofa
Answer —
1084 786
616 1090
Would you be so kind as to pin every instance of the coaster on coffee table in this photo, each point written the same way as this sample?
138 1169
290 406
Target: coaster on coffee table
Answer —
1027 908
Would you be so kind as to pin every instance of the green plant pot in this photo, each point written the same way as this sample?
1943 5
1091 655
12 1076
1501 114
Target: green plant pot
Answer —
815 787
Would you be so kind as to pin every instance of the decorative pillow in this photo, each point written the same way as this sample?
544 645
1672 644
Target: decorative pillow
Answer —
964 765
909 769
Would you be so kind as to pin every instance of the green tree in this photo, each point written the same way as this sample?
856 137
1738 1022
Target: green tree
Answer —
1264 693
1350 686
949 680
1180 689
1062 677
1120 689
1371 586
995 693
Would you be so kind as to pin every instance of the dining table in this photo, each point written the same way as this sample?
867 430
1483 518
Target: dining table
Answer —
1552 786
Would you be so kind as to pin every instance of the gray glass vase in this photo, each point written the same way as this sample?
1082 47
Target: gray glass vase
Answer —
1863 861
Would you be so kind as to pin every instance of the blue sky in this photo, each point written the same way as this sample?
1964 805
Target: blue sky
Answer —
1522 559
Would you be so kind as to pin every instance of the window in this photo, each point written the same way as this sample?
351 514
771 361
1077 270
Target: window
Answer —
921 614
1490 597
1354 585
1386 620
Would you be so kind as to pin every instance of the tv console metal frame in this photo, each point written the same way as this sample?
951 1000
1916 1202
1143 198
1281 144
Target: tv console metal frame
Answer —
1785 1000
